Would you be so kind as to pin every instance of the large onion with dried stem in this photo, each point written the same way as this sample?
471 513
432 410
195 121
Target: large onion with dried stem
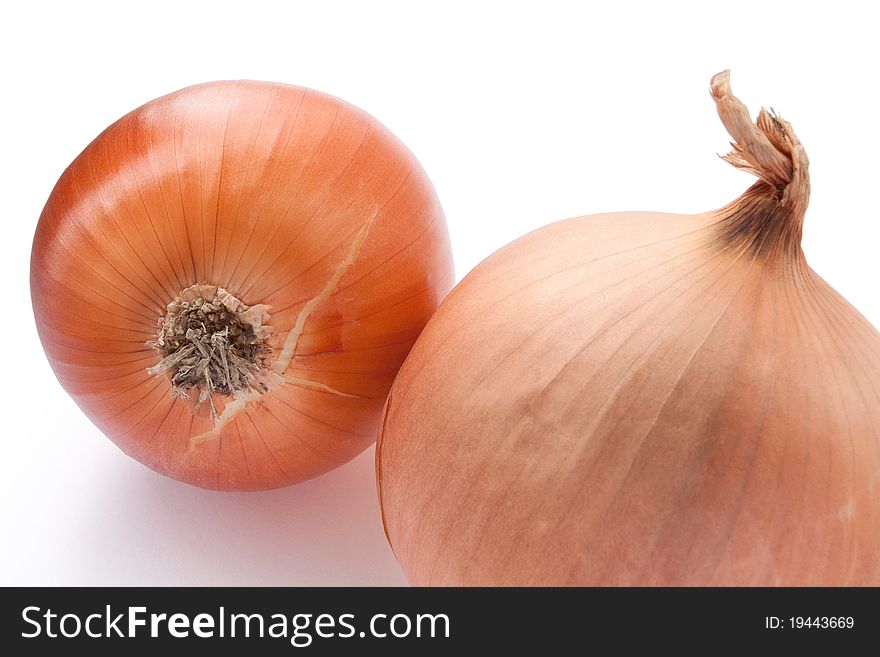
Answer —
644 399
228 278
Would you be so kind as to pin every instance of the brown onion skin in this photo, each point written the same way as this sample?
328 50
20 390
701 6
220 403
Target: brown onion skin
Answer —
263 189
629 399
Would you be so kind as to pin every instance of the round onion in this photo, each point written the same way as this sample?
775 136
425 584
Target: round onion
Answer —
644 399
228 278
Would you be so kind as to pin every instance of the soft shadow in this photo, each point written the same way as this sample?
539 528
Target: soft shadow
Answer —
149 530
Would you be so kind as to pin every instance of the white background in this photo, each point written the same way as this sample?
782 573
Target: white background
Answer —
520 113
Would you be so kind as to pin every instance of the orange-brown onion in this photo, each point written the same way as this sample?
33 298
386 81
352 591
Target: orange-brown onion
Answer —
280 195
644 399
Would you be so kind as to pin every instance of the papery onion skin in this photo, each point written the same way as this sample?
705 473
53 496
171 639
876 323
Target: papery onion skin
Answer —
281 195
642 399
